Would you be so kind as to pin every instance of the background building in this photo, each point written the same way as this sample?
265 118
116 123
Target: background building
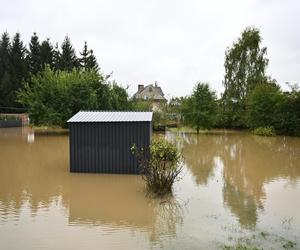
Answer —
152 93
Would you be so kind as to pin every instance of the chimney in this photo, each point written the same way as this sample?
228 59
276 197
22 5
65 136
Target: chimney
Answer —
140 87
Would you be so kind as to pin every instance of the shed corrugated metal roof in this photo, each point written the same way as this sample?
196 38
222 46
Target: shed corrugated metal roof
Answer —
111 116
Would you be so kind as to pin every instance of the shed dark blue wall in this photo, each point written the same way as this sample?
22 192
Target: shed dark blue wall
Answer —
10 123
104 147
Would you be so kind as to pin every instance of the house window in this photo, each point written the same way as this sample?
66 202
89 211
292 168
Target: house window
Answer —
150 89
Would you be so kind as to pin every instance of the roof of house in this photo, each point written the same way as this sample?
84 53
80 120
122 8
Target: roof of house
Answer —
111 116
150 92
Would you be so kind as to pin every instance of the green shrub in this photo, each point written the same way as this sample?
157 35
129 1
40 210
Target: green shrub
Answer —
52 97
140 105
268 106
159 120
263 106
160 165
289 122
264 131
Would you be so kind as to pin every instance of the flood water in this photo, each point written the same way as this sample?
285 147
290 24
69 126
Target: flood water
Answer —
237 188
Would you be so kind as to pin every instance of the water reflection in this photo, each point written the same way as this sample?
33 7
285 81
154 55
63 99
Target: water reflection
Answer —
37 174
31 173
248 163
199 153
30 137
119 202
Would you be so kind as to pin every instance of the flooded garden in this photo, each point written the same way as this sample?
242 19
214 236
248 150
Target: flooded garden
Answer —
237 189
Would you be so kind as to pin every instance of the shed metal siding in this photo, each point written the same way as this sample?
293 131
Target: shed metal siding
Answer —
10 123
104 147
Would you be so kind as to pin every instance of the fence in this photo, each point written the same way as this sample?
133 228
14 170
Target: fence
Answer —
8 120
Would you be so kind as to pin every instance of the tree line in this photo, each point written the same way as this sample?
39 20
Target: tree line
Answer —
53 84
18 62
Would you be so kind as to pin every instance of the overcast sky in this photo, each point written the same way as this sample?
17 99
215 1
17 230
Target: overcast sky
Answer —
176 43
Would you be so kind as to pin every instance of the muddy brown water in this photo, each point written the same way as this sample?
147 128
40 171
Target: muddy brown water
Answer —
236 189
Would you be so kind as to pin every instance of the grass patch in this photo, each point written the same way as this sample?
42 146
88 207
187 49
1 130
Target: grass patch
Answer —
264 131
185 129
264 234
240 247
289 245
259 240
49 130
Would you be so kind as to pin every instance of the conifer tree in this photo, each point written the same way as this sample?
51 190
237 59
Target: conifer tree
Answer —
56 57
84 56
34 57
5 47
47 53
68 59
4 52
92 62
18 69
88 61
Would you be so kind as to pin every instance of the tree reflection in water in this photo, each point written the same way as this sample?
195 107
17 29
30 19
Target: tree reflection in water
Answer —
249 162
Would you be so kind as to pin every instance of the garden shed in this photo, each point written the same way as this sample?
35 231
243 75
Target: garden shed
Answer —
100 141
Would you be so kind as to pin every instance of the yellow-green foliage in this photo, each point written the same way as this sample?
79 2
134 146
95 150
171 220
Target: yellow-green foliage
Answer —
264 131
163 150
160 165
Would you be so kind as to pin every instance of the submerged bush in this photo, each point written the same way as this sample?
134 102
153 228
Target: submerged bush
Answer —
160 165
264 131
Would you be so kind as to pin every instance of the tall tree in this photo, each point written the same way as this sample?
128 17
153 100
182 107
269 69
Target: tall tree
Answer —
199 109
88 61
92 61
245 66
84 56
56 57
18 69
4 52
34 56
68 59
5 47
47 53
